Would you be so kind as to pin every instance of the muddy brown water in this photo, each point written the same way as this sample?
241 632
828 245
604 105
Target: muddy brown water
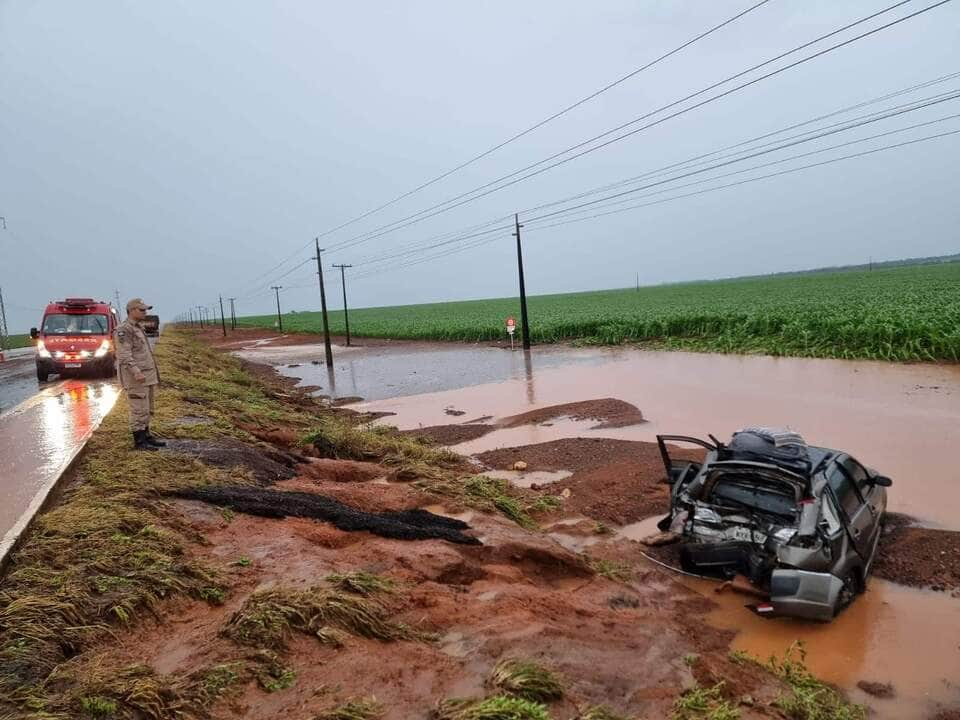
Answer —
902 420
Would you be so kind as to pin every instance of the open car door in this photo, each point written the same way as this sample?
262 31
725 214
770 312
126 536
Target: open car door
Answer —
680 470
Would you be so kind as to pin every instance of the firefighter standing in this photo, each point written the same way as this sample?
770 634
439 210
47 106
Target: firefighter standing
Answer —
138 374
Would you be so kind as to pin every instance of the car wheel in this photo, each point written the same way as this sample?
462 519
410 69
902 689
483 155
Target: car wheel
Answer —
850 589
42 374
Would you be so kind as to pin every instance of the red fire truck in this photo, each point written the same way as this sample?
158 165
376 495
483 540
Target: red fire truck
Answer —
76 334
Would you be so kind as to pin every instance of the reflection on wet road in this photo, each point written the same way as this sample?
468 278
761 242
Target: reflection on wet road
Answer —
38 439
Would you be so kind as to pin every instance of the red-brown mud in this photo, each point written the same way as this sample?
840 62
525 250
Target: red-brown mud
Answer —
616 481
921 557
450 434
607 412
519 595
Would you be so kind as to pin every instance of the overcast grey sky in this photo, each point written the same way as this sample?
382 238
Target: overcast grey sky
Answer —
178 150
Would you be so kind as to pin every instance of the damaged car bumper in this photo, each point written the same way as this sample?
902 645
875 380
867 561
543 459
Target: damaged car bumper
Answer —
805 594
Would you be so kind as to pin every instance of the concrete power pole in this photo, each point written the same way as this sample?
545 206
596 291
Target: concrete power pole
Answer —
277 289
523 288
323 308
3 326
343 283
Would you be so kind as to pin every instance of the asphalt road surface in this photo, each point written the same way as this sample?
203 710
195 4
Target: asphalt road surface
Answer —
42 429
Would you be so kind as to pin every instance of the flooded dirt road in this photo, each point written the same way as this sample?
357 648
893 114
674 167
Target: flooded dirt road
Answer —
391 371
39 438
903 420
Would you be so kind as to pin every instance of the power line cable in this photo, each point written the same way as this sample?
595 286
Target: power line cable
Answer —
451 251
487 189
761 177
789 142
698 159
574 211
545 121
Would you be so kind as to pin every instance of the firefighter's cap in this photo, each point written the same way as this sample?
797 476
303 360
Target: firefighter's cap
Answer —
138 303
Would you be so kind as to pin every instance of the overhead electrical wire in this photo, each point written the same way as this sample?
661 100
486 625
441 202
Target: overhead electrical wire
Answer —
545 121
746 155
451 251
421 216
762 177
698 159
506 181
523 133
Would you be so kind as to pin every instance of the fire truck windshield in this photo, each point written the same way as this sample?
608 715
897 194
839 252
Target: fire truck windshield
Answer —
66 324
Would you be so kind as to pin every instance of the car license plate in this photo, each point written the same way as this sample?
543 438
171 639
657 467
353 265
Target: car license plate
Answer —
71 365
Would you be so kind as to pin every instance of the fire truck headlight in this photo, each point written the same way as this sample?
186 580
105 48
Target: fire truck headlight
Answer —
103 349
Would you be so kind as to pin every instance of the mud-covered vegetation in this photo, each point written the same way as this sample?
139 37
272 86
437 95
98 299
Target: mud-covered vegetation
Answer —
114 547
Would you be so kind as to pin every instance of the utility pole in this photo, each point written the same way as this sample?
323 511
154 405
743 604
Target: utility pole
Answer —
323 309
3 325
523 289
116 296
223 322
200 315
277 289
638 282
343 283
233 315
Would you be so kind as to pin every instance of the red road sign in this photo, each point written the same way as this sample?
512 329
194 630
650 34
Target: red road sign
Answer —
511 323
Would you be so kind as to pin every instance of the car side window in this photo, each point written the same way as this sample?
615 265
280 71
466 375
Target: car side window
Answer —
844 491
857 473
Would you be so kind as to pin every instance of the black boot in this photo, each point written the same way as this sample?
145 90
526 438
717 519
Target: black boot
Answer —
151 440
140 441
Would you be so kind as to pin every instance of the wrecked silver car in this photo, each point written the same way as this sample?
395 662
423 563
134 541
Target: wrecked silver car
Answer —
800 522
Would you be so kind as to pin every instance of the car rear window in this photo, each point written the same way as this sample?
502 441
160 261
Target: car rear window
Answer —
750 495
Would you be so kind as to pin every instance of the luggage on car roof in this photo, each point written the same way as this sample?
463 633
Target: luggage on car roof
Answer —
782 448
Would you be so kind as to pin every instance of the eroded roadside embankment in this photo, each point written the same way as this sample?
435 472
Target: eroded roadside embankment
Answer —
280 560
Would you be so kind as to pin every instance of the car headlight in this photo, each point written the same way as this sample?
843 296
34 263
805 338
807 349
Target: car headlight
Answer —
103 349
707 515
784 535
42 349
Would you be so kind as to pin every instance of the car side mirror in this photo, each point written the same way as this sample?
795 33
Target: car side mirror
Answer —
34 333
881 480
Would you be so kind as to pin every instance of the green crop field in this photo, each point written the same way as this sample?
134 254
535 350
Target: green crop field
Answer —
17 341
900 313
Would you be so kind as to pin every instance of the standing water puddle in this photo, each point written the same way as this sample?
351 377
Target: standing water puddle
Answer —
525 479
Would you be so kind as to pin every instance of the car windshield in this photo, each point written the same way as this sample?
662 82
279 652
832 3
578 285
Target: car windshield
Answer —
747 493
67 324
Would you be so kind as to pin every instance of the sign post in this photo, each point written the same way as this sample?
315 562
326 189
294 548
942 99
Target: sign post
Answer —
511 329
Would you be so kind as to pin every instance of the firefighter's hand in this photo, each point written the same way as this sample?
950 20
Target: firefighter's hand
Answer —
139 376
